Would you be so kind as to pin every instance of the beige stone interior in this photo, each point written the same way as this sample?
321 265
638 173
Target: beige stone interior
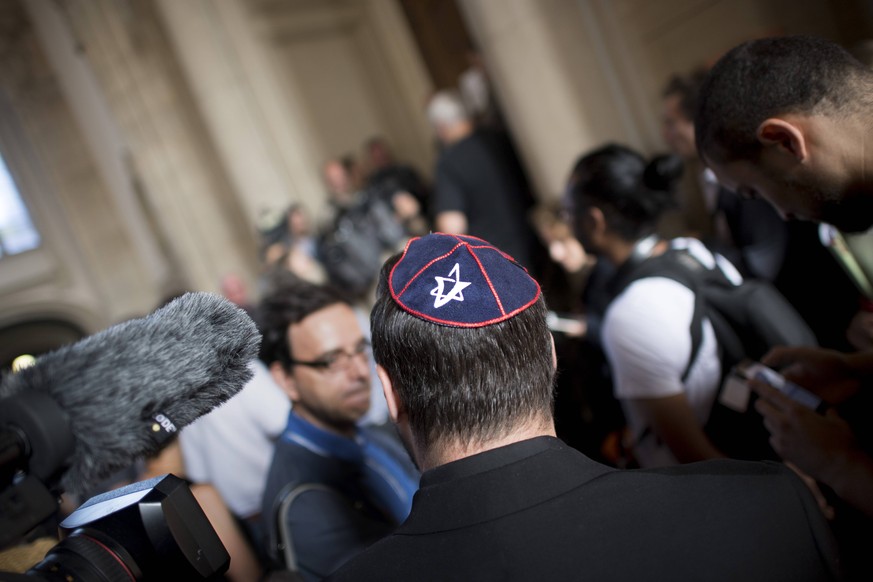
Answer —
149 136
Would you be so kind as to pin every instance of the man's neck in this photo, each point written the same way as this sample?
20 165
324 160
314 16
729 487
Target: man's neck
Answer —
343 430
843 148
456 132
620 251
443 453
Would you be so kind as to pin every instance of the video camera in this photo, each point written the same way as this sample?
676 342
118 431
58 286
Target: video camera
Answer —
144 531
88 409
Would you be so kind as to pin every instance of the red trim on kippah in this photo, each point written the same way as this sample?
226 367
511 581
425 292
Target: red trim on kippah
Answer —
478 323
458 237
485 245
421 270
391 274
506 255
403 256
487 279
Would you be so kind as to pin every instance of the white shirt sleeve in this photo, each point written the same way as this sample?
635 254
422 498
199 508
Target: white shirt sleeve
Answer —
646 337
232 446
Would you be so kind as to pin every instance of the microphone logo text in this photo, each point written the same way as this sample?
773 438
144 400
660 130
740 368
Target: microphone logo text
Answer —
165 423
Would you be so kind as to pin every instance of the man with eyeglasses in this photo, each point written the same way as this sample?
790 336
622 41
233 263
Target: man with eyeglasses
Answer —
334 487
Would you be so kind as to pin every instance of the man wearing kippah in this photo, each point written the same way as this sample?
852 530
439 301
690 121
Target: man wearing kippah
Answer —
467 365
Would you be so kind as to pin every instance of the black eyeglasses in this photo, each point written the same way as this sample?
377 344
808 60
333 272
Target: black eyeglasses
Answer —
338 360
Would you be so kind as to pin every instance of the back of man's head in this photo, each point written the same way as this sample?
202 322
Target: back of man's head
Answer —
763 78
288 300
460 329
630 191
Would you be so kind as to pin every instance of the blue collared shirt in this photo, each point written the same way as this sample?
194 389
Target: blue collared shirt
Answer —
385 470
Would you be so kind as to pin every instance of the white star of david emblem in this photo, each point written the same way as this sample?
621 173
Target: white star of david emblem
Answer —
456 293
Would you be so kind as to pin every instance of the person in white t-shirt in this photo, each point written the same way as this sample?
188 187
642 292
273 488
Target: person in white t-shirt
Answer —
232 446
225 455
615 199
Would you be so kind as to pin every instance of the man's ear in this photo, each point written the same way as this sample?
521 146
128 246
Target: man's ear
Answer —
395 407
284 380
594 225
784 135
596 219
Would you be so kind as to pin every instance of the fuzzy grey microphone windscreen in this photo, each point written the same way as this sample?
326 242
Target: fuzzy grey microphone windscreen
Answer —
155 374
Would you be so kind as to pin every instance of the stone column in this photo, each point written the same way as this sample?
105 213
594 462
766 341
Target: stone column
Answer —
179 180
258 127
395 62
557 81
107 150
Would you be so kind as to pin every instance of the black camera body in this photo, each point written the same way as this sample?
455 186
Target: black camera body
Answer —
145 531
88 409
150 530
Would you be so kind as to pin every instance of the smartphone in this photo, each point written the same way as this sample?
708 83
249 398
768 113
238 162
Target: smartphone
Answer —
773 378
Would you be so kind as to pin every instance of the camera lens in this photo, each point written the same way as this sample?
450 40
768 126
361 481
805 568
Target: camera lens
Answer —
151 530
87 556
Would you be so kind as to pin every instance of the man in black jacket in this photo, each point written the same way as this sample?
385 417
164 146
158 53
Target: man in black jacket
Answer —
467 364
480 186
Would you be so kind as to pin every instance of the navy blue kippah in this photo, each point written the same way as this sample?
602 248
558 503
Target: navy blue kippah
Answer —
460 281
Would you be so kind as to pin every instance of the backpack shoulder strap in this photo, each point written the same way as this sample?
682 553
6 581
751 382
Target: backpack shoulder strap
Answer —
281 540
678 266
671 264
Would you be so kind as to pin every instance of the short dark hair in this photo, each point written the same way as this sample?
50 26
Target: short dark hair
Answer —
687 88
773 76
467 385
288 300
631 192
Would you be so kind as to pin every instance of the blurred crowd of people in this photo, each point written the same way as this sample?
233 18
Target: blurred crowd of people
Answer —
303 470
637 390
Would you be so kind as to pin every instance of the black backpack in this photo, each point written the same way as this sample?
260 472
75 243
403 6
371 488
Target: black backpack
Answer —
748 320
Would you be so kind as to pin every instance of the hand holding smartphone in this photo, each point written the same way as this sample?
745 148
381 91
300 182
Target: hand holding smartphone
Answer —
772 378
